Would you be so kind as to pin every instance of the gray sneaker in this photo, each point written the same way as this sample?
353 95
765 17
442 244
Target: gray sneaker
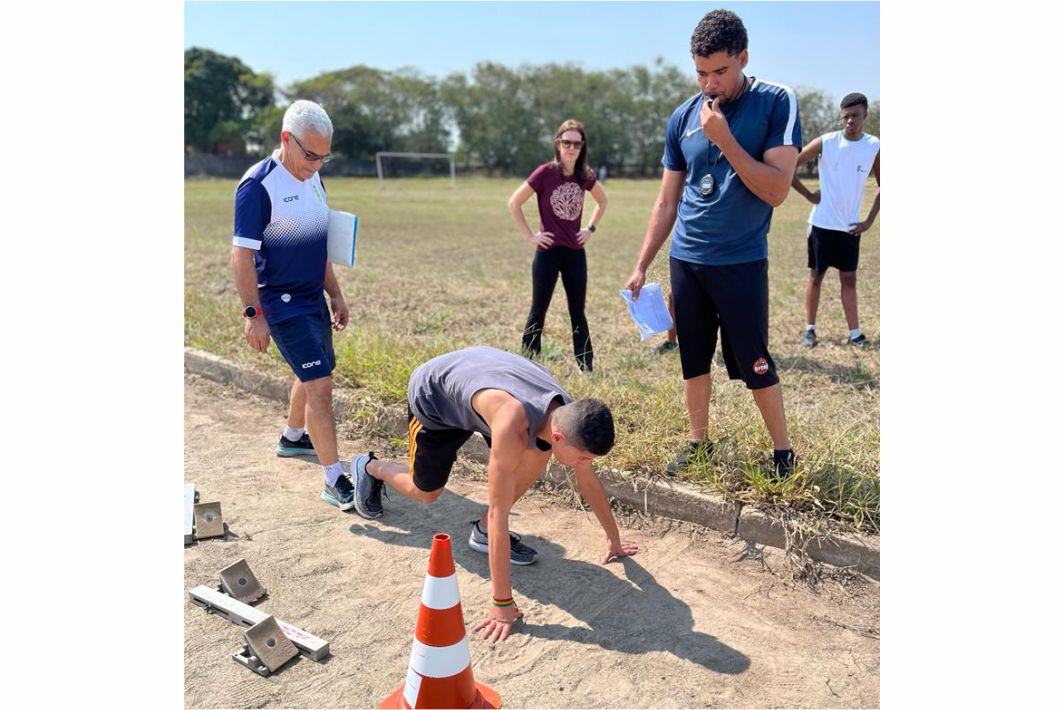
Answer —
367 488
342 495
809 339
860 342
520 554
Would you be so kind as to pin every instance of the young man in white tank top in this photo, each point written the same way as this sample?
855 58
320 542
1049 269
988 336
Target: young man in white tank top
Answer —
846 158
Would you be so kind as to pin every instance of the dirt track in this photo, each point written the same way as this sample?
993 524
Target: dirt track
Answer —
693 620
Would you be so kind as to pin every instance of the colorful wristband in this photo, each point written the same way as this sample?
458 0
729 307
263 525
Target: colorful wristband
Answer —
502 602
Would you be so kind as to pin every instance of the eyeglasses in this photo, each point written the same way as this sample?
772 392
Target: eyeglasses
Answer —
570 144
311 157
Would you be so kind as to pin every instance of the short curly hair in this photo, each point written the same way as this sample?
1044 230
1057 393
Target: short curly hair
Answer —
719 30
854 99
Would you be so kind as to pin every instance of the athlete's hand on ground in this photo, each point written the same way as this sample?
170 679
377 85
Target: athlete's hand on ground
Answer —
619 549
543 240
714 125
257 333
857 227
340 314
814 197
635 283
582 236
500 622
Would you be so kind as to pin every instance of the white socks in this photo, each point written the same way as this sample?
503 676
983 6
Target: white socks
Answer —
293 434
809 327
855 334
333 472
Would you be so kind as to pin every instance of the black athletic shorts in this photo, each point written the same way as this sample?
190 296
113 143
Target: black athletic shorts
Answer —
733 298
829 247
433 453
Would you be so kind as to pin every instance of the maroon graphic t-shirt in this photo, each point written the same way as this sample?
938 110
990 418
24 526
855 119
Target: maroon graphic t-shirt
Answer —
561 202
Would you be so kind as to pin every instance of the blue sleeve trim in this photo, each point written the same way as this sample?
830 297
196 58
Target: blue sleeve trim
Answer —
253 210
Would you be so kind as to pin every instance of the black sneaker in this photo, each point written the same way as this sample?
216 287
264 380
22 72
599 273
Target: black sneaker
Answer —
683 459
342 495
367 488
520 553
783 464
860 342
303 447
809 339
667 346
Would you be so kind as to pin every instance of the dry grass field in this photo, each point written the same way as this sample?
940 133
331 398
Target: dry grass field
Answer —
441 268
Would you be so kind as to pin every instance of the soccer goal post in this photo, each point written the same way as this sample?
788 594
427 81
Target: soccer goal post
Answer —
449 157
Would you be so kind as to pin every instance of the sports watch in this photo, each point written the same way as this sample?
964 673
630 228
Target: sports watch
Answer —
252 311
591 228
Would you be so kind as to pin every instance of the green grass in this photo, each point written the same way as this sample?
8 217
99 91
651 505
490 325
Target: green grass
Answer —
441 268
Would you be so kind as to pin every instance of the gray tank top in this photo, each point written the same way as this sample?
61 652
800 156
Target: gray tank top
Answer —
440 391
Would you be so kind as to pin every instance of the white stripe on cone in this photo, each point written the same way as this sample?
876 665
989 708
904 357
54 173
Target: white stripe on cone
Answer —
412 687
439 661
440 592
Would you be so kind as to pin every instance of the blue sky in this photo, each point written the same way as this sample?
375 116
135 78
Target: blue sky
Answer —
832 46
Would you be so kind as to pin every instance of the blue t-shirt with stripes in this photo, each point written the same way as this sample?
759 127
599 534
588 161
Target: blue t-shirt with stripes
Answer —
286 222
729 226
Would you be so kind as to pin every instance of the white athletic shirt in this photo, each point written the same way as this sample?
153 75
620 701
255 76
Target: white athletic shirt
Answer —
844 167
286 222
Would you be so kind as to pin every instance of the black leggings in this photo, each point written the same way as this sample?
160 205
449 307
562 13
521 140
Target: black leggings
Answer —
572 265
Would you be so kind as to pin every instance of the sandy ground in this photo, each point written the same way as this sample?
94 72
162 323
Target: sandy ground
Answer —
694 620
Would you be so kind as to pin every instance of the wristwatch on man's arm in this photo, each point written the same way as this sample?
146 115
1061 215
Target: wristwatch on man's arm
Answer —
251 311
591 228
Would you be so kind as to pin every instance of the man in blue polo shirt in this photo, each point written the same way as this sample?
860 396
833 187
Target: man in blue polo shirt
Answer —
730 154
280 261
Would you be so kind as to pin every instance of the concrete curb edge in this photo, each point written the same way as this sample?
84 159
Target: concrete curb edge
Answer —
675 500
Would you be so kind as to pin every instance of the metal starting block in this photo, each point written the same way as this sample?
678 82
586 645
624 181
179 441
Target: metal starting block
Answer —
266 648
239 613
239 582
190 501
209 520
246 658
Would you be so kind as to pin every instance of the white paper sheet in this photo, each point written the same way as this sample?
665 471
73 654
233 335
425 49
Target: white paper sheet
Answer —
343 227
649 313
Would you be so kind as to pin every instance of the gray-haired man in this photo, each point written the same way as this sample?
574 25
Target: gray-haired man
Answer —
281 266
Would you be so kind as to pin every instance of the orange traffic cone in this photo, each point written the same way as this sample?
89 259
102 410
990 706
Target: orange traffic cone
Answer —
440 674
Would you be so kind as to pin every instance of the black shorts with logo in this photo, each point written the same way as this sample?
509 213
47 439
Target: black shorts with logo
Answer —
830 247
733 298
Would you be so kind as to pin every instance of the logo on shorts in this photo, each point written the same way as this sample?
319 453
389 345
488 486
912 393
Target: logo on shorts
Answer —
760 366
308 365
286 297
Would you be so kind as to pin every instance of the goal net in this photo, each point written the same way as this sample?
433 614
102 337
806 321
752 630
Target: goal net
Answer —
397 165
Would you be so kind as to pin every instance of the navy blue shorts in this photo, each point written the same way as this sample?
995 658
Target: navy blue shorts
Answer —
831 247
733 298
305 341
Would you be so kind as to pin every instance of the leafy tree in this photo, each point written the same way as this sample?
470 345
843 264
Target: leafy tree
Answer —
265 128
507 117
819 114
653 94
373 110
818 111
496 116
223 98
872 122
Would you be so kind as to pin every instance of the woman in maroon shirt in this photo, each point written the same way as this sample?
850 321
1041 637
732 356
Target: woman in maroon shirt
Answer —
559 186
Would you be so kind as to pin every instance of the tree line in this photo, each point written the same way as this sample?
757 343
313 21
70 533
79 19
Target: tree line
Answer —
504 117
